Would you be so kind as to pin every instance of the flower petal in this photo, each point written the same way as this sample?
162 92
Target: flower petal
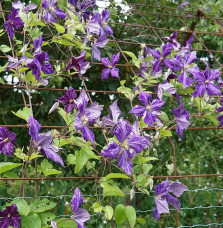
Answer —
77 200
111 151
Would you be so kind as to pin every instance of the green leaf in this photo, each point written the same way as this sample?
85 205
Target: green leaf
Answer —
110 188
2 68
39 205
66 223
117 175
22 206
23 113
97 207
212 118
132 55
141 221
47 170
59 28
46 217
6 166
163 116
5 48
165 133
71 159
35 21
108 212
81 159
32 221
120 215
131 215
126 91
68 118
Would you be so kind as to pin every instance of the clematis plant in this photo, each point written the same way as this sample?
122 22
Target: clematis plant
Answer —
7 141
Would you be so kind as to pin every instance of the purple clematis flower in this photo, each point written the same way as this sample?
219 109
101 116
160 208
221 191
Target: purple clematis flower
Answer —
52 10
14 22
81 8
79 64
163 198
184 64
110 67
68 100
150 109
9 217
160 59
86 116
44 142
21 6
167 87
15 63
99 43
172 40
182 118
129 145
220 118
80 215
115 112
40 61
7 141
104 22
205 83
144 67
187 48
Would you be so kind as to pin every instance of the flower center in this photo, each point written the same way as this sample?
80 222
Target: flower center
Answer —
110 66
159 197
6 140
84 119
162 58
186 67
104 23
125 144
71 101
9 215
206 82
148 108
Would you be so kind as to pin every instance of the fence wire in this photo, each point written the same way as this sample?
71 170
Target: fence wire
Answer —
152 30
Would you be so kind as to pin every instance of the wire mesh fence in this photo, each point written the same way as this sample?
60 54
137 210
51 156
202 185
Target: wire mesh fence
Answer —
203 205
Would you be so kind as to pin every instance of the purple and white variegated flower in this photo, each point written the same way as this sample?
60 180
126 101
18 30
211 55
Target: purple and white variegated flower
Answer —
220 118
79 64
185 65
7 141
14 63
142 71
80 215
187 48
68 99
167 87
110 67
22 6
40 62
14 22
115 112
99 23
130 144
172 40
99 43
160 59
163 197
86 115
206 83
43 142
81 7
9 217
182 118
52 10
150 110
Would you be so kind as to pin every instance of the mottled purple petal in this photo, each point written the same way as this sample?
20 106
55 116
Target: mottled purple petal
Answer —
166 50
212 89
34 128
190 57
177 188
111 151
47 68
157 67
49 17
115 111
115 58
145 97
88 134
96 54
123 130
138 143
77 200
199 90
125 163
161 207
185 80
156 104
155 53
105 74
37 43
108 30
115 72
59 13
173 201
81 216
150 118
138 110
106 61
